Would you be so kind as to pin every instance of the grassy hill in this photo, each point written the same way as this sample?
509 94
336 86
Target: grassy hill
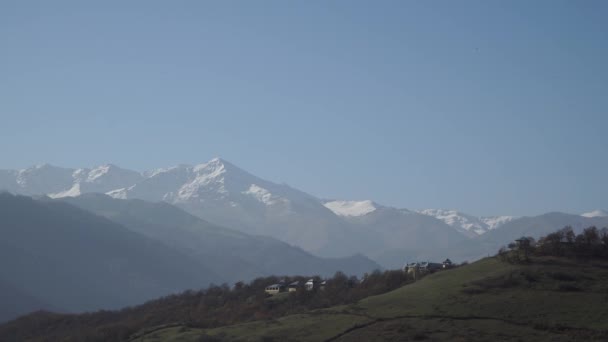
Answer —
549 299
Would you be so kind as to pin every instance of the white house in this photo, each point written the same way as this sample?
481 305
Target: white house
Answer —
275 288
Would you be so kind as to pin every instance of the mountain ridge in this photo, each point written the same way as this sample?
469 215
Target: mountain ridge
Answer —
226 195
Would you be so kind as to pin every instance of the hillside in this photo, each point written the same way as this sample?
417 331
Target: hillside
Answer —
233 255
60 256
549 300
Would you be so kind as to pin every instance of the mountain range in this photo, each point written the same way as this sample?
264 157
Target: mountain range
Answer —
225 195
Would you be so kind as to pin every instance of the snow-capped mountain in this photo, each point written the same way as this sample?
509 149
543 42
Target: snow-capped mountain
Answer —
224 194
100 179
63 182
467 224
227 195
596 213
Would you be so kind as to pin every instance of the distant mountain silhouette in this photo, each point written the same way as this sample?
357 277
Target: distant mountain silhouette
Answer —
232 254
71 259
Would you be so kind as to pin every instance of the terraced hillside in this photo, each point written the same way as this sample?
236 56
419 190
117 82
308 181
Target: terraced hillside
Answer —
549 299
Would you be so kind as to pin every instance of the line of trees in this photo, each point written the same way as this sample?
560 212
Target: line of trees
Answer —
212 307
590 243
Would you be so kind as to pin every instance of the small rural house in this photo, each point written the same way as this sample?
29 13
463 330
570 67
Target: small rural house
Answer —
523 242
430 266
423 267
447 263
293 287
311 284
275 288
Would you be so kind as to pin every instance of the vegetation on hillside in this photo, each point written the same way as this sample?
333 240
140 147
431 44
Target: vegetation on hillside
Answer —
549 297
590 243
212 307
555 289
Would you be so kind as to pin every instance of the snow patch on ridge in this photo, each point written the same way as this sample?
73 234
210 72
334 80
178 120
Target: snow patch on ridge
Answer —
496 221
263 195
98 172
155 172
74 191
119 193
596 213
467 223
351 208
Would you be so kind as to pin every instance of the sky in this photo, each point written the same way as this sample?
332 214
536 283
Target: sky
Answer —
488 107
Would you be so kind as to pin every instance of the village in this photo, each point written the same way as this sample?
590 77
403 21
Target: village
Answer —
414 269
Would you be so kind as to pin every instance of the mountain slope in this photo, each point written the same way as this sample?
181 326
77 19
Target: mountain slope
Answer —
395 236
564 300
232 254
75 260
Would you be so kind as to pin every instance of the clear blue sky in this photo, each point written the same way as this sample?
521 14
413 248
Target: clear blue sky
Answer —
490 107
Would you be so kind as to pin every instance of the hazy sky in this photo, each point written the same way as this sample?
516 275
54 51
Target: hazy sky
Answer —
490 107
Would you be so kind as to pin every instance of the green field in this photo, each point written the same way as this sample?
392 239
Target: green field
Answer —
550 299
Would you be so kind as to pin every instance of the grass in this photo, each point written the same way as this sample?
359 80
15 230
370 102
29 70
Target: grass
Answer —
549 299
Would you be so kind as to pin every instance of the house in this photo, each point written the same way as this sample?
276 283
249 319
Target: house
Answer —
311 284
275 288
422 267
430 266
447 263
523 242
293 287
323 284
410 267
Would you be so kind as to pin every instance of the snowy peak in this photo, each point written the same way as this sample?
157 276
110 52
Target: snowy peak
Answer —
104 172
596 213
43 179
100 179
214 183
351 208
467 224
